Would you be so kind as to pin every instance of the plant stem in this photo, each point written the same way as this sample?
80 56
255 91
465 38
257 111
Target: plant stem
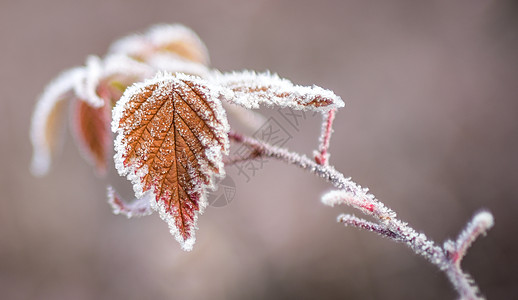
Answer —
446 258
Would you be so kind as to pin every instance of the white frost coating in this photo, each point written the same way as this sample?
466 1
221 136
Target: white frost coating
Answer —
479 225
484 219
166 83
213 154
322 154
213 93
359 198
88 90
252 89
186 245
137 208
58 90
117 64
176 64
388 226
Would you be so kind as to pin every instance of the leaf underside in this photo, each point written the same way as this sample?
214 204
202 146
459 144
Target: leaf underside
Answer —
250 90
172 132
48 119
92 132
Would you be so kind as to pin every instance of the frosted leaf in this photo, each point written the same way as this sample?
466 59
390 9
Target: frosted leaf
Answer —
117 65
250 89
106 80
159 39
119 72
46 125
171 135
86 90
136 208
91 128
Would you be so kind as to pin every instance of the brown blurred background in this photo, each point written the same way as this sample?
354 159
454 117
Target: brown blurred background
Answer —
430 127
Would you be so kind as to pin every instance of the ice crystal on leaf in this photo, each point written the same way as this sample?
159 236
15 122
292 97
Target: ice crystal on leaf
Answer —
119 72
171 137
250 89
136 208
87 89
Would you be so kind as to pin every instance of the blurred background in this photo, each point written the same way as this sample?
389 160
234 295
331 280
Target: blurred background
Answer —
430 126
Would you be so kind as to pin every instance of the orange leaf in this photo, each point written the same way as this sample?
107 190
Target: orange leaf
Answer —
171 134
91 126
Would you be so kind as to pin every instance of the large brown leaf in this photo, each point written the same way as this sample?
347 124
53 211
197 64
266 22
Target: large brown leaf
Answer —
171 134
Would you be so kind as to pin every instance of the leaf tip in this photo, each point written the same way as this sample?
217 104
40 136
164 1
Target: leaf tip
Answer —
185 236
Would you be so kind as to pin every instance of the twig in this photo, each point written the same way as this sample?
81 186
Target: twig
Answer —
446 258
322 155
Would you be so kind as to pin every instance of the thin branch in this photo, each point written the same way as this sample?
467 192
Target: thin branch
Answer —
327 172
387 218
446 258
455 251
479 225
351 220
322 155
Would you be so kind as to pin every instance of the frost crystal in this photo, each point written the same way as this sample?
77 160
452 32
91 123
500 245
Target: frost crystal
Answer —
250 89
359 198
121 65
137 208
322 155
88 92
